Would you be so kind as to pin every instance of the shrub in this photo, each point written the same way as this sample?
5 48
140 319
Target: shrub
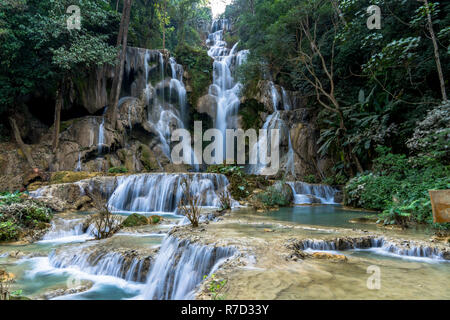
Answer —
280 194
310 179
398 186
239 186
9 231
198 65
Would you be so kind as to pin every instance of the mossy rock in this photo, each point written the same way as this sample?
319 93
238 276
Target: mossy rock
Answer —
147 158
71 176
135 220
154 219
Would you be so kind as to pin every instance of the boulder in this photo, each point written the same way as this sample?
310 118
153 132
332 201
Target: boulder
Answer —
207 104
135 220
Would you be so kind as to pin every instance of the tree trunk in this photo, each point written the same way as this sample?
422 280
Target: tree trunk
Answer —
57 119
436 52
19 141
118 76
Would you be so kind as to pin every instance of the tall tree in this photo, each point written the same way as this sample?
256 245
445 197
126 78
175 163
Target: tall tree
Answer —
122 39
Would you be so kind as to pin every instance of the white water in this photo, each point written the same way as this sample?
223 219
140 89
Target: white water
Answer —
180 267
305 193
67 231
78 168
101 136
273 121
224 88
161 193
379 246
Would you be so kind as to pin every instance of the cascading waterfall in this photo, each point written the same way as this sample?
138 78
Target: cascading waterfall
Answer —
376 244
101 263
162 193
68 230
273 121
224 88
305 193
180 267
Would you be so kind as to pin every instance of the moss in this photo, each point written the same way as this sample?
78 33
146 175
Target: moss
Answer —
154 219
117 170
280 194
64 125
147 158
71 176
199 66
135 220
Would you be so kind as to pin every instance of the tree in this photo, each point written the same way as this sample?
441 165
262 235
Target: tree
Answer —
427 9
121 55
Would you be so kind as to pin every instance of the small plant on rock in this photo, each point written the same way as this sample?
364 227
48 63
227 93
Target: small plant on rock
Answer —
215 286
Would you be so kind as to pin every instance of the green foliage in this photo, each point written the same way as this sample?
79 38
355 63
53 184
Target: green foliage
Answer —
117 170
198 65
215 286
275 196
239 186
380 106
9 231
7 198
37 50
335 180
250 114
399 186
310 179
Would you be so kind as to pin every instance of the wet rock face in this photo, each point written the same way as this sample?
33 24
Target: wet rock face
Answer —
207 104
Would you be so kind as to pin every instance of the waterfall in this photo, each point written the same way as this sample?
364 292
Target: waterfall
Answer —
180 267
305 193
162 193
98 262
224 88
379 245
101 133
275 96
63 230
286 100
78 168
273 121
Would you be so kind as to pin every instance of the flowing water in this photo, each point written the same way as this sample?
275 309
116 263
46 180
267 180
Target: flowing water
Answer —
305 193
225 89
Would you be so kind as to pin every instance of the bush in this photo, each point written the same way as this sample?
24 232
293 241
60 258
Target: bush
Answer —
280 194
9 231
239 186
118 170
310 179
198 65
399 186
